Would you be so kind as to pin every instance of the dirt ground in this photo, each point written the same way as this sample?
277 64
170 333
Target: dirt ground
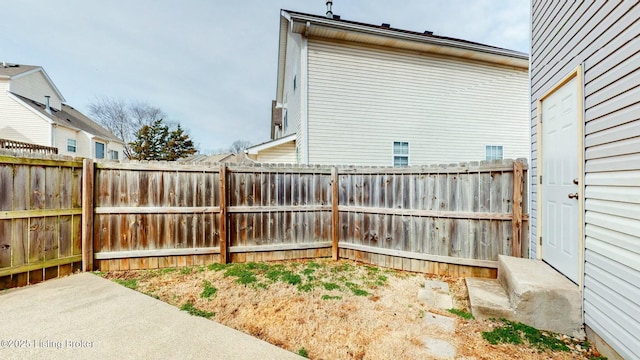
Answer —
329 310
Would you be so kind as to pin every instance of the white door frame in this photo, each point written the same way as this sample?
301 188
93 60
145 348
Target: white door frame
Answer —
578 75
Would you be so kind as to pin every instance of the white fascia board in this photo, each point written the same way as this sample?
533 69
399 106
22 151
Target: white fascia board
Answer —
254 150
46 76
285 24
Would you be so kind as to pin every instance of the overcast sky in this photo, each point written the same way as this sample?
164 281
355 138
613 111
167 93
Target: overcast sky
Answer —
210 64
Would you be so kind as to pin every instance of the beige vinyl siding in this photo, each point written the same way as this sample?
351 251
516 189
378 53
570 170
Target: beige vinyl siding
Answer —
363 98
111 145
61 134
605 38
19 123
285 153
35 86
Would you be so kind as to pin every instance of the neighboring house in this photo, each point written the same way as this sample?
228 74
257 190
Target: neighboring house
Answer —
362 94
229 158
585 213
32 110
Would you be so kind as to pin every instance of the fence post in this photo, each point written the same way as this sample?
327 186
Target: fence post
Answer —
516 222
335 218
224 240
87 214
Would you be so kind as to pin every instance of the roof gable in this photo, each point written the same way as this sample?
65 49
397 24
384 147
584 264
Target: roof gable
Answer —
71 118
17 71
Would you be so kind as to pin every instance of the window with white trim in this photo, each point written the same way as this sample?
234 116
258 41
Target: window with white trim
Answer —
113 155
400 153
72 145
494 152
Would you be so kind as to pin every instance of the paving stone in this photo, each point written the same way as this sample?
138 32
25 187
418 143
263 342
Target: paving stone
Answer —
440 349
434 299
445 323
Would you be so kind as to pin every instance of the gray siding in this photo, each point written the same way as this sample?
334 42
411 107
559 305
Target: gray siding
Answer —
605 38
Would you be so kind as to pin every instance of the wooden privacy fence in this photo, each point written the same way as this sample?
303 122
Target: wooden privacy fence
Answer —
40 217
448 219
155 215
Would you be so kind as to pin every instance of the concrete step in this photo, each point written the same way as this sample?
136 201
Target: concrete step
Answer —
488 299
540 296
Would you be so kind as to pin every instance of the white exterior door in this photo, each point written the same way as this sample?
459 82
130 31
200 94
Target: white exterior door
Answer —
560 242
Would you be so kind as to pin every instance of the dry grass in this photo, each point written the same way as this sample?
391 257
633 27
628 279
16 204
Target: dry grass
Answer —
385 324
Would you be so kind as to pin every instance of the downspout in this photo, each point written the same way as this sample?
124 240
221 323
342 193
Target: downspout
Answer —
304 75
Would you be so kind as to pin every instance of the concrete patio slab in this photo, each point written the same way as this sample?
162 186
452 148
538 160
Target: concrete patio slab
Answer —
84 316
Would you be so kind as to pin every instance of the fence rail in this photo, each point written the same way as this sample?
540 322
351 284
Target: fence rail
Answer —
22 146
443 218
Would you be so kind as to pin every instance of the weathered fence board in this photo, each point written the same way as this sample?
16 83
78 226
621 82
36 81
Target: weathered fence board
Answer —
39 218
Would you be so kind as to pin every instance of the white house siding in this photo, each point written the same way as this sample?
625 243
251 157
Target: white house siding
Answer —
18 123
605 38
293 98
35 86
61 134
363 98
285 153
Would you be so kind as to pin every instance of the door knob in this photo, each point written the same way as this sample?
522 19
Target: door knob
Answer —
575 181
573 196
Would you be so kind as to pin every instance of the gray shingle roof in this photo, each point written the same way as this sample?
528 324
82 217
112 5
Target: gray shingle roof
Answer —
9 70
70 117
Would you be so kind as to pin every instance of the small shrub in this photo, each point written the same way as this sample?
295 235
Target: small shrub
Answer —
209 290
188 307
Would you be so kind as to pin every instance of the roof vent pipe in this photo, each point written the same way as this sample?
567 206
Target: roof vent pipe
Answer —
329 12
47 108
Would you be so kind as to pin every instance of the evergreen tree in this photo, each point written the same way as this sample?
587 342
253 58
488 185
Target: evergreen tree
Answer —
179 145
155 142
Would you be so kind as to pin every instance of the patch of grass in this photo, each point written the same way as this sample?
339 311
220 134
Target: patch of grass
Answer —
355 289
99 273
306 287
188 307
167 270
308 271
313 265
303 352
242 273
186 270
346 267
291 278
208 291
131 283
517 333
381 280
463 314
216 266
600 357
330 286
330 297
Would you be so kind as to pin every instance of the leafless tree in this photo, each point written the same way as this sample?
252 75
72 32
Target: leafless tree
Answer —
124 118
239 146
